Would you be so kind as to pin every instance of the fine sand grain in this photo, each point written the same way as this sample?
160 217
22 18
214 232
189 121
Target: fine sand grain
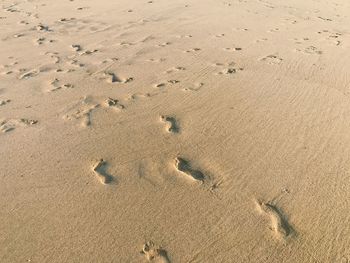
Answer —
224 128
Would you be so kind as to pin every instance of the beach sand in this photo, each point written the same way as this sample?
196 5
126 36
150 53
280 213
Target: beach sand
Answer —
175 131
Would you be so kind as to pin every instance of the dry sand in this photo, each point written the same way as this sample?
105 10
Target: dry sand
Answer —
175 131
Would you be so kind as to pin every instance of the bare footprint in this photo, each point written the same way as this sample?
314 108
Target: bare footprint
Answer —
220 35
196 49
84 114
137 96
174 69
233 49
156 60
113 103
184 167
154 254
310 50
231 68
196 87
55 85
99 169
171 123
82 111
7 125
29 74
229 71
160 85
76 47
164 44
173 81
39 41
42 28
279 224
88 52
272 59
4 102
111 77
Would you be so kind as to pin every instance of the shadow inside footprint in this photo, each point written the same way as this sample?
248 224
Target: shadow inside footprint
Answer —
184 166
279 222
154 254
171 123
100 170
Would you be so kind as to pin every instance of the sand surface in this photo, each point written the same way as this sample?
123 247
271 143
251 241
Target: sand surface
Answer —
175 131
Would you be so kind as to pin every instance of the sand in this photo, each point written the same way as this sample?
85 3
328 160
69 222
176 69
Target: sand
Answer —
175 131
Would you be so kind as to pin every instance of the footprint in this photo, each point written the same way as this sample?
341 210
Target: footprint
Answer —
42 27
40 40
76 47
5 126
229 71
324 18
113 103
164 44
196 49
4 102
136 96
54 56
197 86
231 68
273 30
18 35
7 72
76 63
279 224
125 43
220 35
88 52
56 86
160 85
85 115
173 81
154 254
66 19
241 29
29 74
156 60
184 36
111 77
261 40
175 69
127 80
233 49
272 59
11 124
109 60
83 8
99 169
82 111
171 123
184 167
311 50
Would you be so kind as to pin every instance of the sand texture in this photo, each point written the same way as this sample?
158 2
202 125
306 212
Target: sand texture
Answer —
177 131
